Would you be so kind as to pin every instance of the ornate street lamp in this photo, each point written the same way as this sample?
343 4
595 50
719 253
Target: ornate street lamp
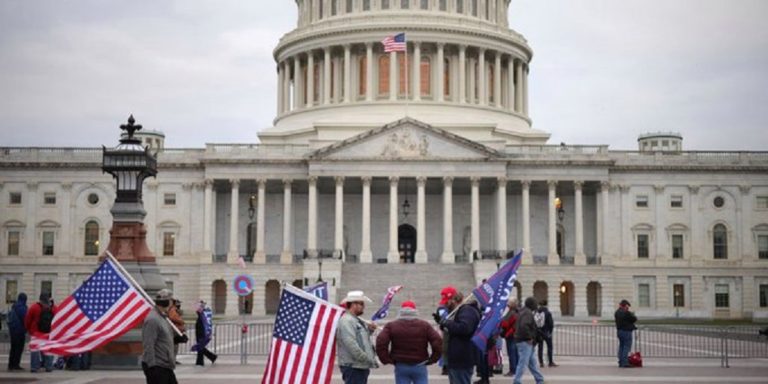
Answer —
129 163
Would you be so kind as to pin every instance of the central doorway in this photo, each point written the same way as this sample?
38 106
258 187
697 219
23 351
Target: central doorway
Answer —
406 243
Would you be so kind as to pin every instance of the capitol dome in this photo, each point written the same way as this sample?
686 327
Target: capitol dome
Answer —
470 78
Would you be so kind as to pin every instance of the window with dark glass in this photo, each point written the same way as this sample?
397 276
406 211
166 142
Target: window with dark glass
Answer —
11 291
641 201
169 199
474 7
91 238
334 7
46 286
642 246
763 295
720 242
677 246
722 296
14 198
349 6
762 246
169 243
425 4
718 202
93 199
676 201
678 295
762 202
49 198
384 4
14 240
443 5
460 6
366 5
48 237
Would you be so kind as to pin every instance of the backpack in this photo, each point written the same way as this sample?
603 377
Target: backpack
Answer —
46 318
539 318
12 318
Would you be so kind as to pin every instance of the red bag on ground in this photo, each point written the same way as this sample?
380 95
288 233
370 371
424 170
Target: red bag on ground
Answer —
635 359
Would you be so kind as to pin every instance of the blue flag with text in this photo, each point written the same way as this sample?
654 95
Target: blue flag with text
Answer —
492 297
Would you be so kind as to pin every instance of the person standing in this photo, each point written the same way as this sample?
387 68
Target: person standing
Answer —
405 343
175 315
38 322
525 336
203 332
158 361
546 332
17 331
460 328
356 355
507 325
625 325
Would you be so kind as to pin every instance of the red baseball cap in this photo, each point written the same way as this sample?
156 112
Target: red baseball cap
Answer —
446 294
408 304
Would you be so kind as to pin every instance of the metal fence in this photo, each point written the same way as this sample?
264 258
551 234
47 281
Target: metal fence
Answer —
589 340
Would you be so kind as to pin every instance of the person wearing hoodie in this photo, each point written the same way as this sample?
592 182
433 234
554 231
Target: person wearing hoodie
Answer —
525 338
460 328
17 332
405 343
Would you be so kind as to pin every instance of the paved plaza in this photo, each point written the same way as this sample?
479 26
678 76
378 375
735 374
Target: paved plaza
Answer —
571 370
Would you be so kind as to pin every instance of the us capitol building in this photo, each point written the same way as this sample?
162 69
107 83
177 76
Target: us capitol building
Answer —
425 170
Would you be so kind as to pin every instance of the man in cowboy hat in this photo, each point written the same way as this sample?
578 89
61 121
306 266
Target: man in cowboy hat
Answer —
356 355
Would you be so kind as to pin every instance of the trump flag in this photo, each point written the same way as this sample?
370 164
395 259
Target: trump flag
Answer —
304 339
102 309
492 296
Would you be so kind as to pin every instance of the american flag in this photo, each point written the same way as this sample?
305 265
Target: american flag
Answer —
384 310
304 340
101 310
394 43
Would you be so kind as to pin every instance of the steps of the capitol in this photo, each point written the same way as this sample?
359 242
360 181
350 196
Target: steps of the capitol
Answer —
421 283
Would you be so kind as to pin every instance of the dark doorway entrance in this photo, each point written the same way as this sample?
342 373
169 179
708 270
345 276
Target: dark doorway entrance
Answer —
406 243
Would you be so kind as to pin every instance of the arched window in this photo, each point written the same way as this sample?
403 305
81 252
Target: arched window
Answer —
91 238
491 83
720 242
316 90
446 78
425 72
363 71
384 75
405 78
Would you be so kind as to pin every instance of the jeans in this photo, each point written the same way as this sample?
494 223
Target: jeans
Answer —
625 345
545 339
36 357
354 375
527 358
459 376
410 373
17 348
511 353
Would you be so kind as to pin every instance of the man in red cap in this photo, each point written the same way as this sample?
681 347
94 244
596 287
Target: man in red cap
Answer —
405 343
441 313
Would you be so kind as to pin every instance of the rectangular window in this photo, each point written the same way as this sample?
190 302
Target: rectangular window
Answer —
763 295
424 4
762 202
459 6
48 237
384 4
49 198
14 198
333 7
642 246
677 246
169 240
644 295
404 4
676 201
169 199
14 240
762 246
443 5
366 5
11 291
47 287
678 293
349 6
641 201
721 296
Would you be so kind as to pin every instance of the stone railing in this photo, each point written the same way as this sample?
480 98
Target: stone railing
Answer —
238 150
715 158
557 149
566 260
594 260
220 258
540 260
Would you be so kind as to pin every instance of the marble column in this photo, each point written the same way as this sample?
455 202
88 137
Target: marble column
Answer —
312 216
338 239
297 80
347 73
416 71
393 255
393 79
365 250
579 257
234 214
310 79
497 80
482 75
511 84
526 198
501 214
260 256
475 181
602 243
421 227
462 74
208 216
327 86
525 90
448 256
552 221
440 83
368 72
280 74
519 87
472 81
286 86
286 256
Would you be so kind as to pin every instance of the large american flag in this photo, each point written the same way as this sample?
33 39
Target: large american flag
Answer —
101 310
394 43
304 340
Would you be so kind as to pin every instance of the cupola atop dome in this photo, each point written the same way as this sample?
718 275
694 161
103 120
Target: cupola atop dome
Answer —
463 70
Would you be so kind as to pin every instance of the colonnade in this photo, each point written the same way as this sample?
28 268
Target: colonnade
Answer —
355 73
365 254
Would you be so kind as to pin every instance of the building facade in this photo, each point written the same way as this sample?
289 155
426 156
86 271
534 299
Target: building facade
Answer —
423 157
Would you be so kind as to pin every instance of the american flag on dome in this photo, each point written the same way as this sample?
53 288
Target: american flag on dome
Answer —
105 307
394 43
304 340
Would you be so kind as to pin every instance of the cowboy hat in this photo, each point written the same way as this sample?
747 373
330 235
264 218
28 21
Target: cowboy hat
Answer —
356 296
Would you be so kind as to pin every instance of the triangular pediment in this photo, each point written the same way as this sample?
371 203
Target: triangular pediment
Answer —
406 139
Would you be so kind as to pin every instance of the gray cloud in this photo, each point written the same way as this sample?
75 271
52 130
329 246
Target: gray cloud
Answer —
202 71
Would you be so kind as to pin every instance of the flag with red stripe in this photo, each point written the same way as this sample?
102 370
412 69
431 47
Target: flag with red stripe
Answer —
102 309
304 340
394 43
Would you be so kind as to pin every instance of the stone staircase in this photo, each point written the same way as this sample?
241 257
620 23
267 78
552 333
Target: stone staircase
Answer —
421 283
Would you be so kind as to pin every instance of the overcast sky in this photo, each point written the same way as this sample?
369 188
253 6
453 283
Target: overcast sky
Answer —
603 71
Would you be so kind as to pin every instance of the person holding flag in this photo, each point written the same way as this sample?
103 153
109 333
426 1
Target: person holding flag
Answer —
158 360
203 334
460 326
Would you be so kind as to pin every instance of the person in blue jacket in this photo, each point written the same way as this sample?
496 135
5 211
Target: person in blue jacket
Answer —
17 332
460 329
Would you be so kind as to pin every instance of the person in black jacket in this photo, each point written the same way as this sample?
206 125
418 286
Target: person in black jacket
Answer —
625 324
460 328
17 331
545 334
525 338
